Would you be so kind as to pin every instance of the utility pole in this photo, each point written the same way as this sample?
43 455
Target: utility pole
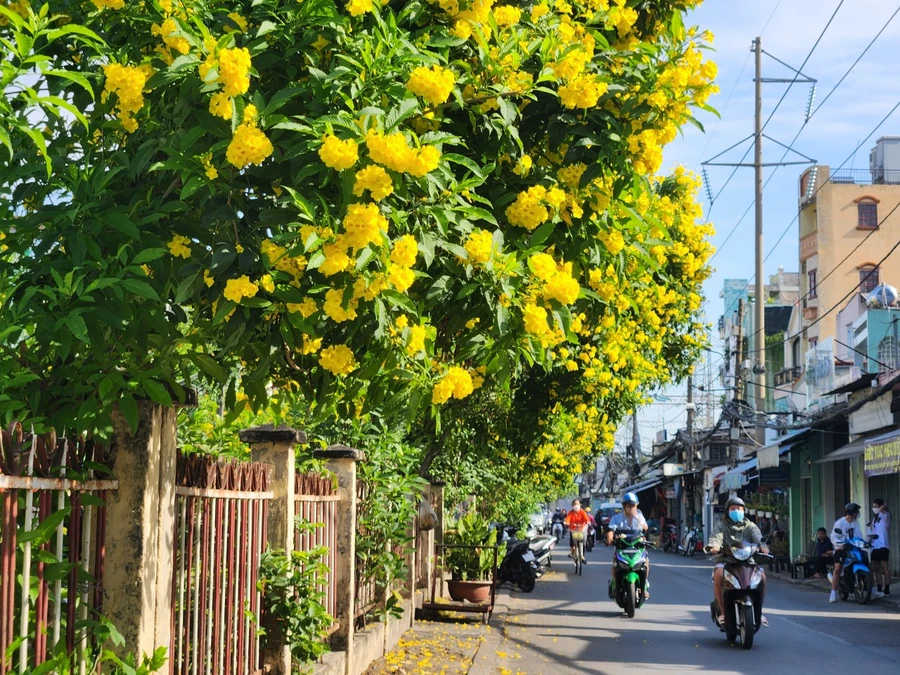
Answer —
759 342
739 354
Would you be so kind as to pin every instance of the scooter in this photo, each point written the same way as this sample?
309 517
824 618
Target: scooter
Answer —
856 573
558 529
628 586
745 590
691 537
670 539
518 566
591 540
542 546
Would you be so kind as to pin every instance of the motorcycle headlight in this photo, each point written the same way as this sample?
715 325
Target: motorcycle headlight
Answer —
756 578
742 553
731 579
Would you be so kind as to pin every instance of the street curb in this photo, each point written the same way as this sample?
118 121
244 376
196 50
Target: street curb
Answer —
485 660
892 605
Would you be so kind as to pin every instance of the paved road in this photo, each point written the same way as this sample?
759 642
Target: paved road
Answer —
569 626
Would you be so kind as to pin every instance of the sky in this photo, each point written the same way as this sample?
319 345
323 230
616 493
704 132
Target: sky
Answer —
789 29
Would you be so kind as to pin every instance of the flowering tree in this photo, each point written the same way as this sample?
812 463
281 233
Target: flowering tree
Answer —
373 206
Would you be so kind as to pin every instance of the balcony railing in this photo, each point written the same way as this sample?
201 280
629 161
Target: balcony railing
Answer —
787 376
865 177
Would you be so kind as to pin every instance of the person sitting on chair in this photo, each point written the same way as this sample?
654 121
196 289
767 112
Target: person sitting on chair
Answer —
823 554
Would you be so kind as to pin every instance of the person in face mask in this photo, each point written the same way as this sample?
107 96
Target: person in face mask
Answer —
735 530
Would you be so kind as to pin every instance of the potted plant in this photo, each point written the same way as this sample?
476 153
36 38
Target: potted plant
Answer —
471 568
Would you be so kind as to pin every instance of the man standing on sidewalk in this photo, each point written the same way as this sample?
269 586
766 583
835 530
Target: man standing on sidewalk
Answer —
881 569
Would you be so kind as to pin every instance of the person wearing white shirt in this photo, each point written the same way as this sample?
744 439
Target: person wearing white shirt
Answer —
846 528
881 548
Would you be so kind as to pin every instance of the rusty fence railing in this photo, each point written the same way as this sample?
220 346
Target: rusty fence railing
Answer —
220 536
317 502
52 545
366 590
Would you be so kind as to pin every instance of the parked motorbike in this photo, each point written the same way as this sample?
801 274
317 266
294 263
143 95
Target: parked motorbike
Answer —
669 539
628 586
856 573
542 546
745 591
691 537
517 566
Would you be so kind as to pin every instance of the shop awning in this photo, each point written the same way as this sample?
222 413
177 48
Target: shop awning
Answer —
644 485
733 480
849 451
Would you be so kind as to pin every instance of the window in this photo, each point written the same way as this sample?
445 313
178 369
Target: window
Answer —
868 214
795 353
812 283
868 278
887 355
813 342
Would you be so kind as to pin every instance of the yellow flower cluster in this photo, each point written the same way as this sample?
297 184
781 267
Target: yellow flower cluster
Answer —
433 84
211 172
108 4
394 152
528 210
237 289
338 154
557 282
363 225
612 240
480 246
127 83
405 251
584 91
360 7
456 383
374 179
416 342
169 34
180 247
249 145
338 359
279 259
507 15
306 308
334 306
234 71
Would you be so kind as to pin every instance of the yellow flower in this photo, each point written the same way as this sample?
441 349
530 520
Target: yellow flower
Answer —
239 288
234 70
248 146
338 359
405 251
582 92
208 279
239 20
338 154
416 342
457 383
360 7
523 166
401 278
168 32
220 105
127 83
471 323
507 15
109 4
543 266
211 172
334 306
538 11
480 246
307 308
562 288
267 284
434 84
535 319
180 247
336 259
374 179
462 29
250 114
528 211
364 225
310 346
571 175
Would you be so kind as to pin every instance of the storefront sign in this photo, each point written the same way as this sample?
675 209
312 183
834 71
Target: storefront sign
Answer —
780 476
673 469
883 458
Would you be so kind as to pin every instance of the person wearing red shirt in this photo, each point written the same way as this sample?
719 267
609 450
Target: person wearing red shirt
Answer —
577 521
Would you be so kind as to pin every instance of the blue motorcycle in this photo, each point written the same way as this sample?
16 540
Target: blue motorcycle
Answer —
856 574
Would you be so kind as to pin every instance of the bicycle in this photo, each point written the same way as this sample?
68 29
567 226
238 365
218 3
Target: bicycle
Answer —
578 538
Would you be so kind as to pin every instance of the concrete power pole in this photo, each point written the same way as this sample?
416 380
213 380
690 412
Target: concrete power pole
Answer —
760 322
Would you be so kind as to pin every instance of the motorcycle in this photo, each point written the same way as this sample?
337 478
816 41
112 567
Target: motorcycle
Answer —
669 539
745 591
628 586
518 566
691 537
856 573
591 539
542 546
558 529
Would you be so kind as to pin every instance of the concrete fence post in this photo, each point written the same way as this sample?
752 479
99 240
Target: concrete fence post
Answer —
275 446
341 461
437 496
140 539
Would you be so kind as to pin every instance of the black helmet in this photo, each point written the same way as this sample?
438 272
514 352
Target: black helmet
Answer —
735 501
852 508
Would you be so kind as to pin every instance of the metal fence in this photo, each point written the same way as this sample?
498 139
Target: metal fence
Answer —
220 535
366 590
317 502
865 176
52 545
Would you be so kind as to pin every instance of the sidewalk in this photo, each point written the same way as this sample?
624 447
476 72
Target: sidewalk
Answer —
888 602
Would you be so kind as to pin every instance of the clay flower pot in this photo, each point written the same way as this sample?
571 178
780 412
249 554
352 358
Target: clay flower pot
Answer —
476 592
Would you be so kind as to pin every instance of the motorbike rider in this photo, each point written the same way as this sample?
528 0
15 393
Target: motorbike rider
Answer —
632 519
577 521
846 528
735 530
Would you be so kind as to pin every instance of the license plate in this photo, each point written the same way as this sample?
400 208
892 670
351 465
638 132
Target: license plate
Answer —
528 557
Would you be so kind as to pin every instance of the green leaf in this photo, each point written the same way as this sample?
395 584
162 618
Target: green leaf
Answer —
77 327
399 113
40 143
147 255
128 408
45 531
141 288
540 235
209 366
187 286
157 392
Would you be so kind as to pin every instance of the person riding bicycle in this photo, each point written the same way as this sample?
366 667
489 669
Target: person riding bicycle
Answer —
734 531
630 520
577 521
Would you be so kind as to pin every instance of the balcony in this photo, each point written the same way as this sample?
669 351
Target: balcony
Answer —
865 177
788 376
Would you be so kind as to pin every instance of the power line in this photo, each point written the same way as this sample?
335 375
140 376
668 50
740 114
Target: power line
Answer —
854 349
774 110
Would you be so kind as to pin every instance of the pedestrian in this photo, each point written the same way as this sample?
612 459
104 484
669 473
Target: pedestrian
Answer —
764 526
881 548
824 553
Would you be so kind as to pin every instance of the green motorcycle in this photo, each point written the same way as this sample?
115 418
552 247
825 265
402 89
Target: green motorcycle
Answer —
628 586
